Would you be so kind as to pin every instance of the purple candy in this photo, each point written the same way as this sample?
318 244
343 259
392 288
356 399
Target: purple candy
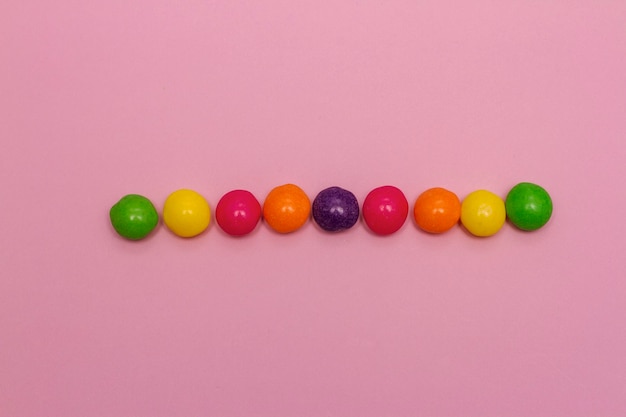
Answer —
335 209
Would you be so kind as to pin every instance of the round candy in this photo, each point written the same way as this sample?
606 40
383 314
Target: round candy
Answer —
437 210
134 217
186 213
286 208
528 206
335 209
238 212
483 213
385 210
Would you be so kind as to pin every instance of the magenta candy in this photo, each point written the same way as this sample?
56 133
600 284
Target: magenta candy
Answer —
385 210
238 212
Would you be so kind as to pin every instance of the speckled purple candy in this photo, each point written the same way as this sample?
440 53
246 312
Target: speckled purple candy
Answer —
335 209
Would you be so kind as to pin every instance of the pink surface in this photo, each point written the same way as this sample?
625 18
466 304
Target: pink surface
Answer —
101 99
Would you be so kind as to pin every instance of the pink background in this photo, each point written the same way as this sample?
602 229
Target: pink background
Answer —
101 99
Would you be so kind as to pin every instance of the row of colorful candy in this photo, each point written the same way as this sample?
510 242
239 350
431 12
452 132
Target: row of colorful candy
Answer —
287 208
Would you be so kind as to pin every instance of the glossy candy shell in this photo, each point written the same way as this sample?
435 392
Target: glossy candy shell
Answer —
186 213
238 212
528 206
134 217
437 210
385 210
286 208
483 213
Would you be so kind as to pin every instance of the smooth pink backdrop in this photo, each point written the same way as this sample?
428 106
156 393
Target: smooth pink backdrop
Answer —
101 99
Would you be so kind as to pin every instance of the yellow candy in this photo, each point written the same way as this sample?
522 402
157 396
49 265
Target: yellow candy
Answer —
483 213
186 213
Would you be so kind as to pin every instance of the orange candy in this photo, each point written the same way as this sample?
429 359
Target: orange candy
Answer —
437 210
286 208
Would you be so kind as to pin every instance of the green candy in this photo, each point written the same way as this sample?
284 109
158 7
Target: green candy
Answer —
134 217
528 206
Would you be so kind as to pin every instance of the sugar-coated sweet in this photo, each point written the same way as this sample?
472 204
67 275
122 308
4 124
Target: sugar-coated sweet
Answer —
335 209
528 206
186 213
385 210
286 208
483 213
134 217
437 210
238 212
